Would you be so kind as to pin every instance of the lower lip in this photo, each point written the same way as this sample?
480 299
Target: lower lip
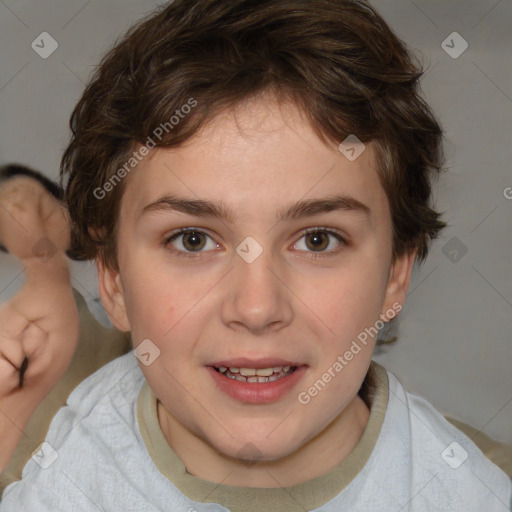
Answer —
257 392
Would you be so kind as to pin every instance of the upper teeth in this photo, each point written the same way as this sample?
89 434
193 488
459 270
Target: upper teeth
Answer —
259 372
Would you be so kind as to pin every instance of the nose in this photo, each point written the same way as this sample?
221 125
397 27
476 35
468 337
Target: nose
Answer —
257 298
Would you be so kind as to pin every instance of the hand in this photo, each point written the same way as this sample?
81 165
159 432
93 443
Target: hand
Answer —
38 337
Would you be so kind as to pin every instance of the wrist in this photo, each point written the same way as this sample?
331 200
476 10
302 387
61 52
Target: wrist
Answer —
56 265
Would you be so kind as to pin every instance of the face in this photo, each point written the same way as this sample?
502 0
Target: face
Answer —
282 278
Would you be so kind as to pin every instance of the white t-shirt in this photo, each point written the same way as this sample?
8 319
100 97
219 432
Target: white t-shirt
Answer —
96 459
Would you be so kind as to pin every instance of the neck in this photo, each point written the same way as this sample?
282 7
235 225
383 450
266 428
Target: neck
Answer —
316 457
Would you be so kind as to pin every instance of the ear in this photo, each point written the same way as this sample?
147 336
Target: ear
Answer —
399 279
112 295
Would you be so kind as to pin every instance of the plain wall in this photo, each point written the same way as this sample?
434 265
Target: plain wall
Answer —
455 345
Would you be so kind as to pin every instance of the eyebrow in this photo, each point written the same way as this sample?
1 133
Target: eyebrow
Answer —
300 209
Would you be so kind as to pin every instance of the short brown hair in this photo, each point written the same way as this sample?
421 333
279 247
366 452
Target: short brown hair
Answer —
337 60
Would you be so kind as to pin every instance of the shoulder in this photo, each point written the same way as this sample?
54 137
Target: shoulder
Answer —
99 399
442 464
88 443
119 379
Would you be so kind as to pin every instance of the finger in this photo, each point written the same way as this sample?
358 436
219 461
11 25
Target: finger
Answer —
9 377
12 326
12 323
33 340
11 351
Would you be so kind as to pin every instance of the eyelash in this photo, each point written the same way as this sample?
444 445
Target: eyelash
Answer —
313 255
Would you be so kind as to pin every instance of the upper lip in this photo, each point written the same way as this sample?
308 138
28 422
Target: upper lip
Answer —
244 362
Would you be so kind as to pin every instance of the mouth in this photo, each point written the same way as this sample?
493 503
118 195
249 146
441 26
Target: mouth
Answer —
255 375
259 382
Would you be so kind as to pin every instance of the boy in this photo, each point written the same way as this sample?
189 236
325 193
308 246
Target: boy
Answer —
254 310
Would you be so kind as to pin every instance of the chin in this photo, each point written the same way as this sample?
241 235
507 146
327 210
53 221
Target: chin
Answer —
250 449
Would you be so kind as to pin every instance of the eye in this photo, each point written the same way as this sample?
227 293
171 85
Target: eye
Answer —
191 242
188 241
319 240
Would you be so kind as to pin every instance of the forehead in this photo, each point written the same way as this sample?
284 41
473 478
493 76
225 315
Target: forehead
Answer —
254 160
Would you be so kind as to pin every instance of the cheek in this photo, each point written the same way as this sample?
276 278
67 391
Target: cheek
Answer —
349 299
163 302
151 309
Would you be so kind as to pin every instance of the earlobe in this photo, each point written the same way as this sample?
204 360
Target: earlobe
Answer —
399 279
112 296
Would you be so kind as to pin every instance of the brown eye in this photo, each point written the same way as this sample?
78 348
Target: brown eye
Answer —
193 241
317 240
189 242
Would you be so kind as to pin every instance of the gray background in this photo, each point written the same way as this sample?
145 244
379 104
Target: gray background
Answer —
455 345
